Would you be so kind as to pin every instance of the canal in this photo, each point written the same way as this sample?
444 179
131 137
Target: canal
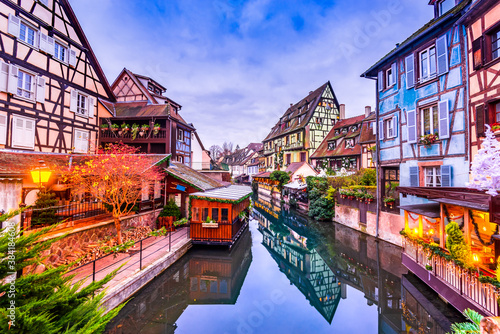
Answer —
288 274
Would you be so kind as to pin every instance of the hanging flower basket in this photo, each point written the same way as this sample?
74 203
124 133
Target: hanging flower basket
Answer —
495 127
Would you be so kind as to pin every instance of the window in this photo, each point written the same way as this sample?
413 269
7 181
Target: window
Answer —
496 110
427 63
298 137
332 145
180 135
81 104
60 51
302 156
81 141
288 159
3 129
23 132
477 53
319 120
196 214
390 127
204 214
432 176
349 143
445 6
215 214
180 158
27 34
495 44
430 120
389 77
25 85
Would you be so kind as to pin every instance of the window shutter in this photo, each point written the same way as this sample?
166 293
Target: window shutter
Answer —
444 119
29 133
40 90
414 176
85 142
14 25
442 55
480 121
380 81
4 76
72 57
411 126
381 130
13 77
410 71
17 131
395 125
46 43
477 57
91 106
3 129
73 101
445 176
394 70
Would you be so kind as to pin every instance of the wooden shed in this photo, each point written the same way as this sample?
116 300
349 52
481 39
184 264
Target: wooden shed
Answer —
219 216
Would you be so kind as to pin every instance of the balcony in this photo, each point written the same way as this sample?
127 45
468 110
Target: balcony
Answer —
293 146
457 285
149 136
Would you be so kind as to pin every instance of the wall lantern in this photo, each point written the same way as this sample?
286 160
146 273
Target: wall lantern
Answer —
41 174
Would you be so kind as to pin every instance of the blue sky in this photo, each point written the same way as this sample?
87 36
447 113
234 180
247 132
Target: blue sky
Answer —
235 66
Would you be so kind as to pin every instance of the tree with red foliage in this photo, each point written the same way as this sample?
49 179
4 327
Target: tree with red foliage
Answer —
117 175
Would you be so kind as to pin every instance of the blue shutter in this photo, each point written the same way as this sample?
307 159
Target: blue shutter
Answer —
411 126
410 71
381 130
414 176
395 124
445 176
442 55
380 81
444 119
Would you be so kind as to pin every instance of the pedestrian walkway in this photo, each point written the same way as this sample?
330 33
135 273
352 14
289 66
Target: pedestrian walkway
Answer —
139 264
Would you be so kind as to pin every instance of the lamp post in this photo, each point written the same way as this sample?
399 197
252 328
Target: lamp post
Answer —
39 175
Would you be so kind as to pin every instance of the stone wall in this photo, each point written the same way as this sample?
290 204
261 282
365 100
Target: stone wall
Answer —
389 224
79 238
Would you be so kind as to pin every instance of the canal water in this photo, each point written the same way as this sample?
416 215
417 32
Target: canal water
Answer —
288 274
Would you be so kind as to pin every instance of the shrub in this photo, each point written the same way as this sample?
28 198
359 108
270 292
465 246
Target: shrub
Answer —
368 177
171 209
322 209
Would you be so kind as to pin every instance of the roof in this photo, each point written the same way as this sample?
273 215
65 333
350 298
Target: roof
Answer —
465 204
241 156
340 150
255 146
296 110
367 135
21 163
190 176
431 210
232 193
262 174
295 166
295 185
90 53
143 109
408 44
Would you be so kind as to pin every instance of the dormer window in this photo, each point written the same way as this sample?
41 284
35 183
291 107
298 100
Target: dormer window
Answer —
337 132
332 145
344 130
445 6
349 143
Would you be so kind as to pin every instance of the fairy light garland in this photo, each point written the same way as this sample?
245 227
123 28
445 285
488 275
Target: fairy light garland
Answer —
476 229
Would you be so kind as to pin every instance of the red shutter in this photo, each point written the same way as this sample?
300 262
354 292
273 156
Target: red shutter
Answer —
480 121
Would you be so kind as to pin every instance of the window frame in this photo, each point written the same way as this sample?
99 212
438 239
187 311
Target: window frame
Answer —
389 78
79 98
440 8
13 132
32 85
435 175
332 145
180 158
63 47
180 135
75 134
433 108
421 78
22 23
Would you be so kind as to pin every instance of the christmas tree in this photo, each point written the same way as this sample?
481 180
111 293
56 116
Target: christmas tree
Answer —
485 170
44 302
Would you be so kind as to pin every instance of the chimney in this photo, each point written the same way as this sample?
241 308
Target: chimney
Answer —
342 111
368 111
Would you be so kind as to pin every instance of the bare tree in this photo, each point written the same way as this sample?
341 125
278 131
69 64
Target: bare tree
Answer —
227 148
215 151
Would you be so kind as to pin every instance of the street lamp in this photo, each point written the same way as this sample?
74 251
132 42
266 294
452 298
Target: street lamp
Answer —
41 174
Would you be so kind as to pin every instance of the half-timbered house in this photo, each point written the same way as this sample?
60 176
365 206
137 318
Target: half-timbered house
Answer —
51 84
483 56
143 117
421 98
302 128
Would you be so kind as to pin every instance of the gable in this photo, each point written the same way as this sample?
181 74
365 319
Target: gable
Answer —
126 89
57 21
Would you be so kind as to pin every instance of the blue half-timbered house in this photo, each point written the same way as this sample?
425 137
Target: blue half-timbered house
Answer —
422 106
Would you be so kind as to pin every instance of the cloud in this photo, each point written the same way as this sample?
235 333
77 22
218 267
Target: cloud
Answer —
235 66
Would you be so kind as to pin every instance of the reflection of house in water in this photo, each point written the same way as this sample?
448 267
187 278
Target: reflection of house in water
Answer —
304 267
202 276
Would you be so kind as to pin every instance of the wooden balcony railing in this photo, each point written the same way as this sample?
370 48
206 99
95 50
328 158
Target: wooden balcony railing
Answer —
127 136
483 295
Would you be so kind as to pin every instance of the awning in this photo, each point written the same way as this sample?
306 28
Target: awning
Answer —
232 193
296 185
465 204
431 210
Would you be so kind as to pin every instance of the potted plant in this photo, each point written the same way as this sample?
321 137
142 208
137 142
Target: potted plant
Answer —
125 128
145 127
429 139
210 223
389 201
156 128
369 198
104 126
135 129
351 195
114 127
181 222
495 127
359 196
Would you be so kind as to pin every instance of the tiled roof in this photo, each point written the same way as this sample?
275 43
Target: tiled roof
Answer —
367 135
192 177
294 166
294 111
232 193
255 146
429 26
340 150
263 175
143 109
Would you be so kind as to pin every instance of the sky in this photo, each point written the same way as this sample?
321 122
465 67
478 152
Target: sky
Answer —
235 66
